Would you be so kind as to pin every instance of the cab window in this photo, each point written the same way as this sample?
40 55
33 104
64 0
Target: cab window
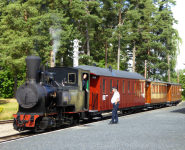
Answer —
71 78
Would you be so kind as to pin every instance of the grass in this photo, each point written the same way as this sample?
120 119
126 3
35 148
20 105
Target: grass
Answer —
8 108
7 99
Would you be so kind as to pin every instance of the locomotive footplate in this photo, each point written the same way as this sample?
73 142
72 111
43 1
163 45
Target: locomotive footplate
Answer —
23 120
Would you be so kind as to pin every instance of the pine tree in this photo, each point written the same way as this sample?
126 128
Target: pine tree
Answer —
15 40
168 37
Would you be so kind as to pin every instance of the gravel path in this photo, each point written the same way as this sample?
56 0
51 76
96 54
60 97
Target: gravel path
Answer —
162 129
7 129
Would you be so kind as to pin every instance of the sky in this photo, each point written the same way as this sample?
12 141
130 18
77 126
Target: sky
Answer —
179 14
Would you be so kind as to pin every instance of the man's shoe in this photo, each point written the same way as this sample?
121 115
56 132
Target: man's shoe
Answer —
115 122
111 122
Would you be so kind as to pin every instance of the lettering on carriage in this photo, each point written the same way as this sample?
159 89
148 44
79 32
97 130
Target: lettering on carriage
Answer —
104 97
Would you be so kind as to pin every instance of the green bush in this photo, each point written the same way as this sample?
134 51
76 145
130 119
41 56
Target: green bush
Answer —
7 82
1 109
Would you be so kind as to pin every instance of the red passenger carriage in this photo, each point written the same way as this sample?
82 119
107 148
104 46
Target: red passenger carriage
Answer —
130 86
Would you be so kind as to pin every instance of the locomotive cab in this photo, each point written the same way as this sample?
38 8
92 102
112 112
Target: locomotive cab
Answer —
70 93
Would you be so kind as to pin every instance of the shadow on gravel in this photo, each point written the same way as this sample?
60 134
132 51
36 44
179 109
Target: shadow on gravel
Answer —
182 111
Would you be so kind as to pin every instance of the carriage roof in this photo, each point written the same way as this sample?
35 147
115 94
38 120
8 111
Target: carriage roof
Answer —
115 73
164 82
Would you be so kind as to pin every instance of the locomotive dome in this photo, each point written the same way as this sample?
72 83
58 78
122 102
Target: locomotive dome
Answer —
111 72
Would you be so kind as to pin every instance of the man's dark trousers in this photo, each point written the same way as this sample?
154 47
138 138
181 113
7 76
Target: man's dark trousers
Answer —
114 112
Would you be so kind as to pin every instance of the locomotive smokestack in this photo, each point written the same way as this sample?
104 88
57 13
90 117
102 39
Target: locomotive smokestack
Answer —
32 64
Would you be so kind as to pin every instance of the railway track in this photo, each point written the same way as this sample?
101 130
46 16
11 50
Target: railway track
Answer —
30 133
6 121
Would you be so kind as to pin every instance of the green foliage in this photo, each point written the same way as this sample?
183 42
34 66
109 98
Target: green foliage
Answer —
144 25
6 84
182 81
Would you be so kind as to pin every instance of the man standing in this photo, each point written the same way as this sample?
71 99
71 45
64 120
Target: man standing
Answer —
115 101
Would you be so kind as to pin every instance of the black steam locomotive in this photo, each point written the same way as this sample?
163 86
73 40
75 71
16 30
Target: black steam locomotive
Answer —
50 98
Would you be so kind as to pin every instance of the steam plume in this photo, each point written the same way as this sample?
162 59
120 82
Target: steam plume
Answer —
55 33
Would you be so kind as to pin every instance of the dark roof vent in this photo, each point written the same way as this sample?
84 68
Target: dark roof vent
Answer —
94 64
110 68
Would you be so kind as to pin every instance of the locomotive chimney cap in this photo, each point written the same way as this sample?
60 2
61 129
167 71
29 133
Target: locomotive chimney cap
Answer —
32 64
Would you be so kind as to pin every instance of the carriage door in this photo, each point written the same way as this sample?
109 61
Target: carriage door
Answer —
94 92
94 101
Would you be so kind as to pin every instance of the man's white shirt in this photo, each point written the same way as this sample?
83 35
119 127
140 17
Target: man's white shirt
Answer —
115 97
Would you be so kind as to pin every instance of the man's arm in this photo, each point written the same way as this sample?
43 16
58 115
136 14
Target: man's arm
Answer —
117 100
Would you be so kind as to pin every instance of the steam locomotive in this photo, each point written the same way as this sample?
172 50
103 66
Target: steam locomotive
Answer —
55 96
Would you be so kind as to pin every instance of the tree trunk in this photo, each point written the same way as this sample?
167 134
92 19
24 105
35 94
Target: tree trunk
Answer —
145 68
15 85
25 17
118 53
148 60
87 37
168 67
177 76
105 54
134 57
168 52
119 38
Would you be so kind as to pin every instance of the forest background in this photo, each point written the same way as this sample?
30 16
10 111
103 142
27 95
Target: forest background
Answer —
140 29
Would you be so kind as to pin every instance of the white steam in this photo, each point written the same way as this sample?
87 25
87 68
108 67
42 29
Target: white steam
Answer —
55 33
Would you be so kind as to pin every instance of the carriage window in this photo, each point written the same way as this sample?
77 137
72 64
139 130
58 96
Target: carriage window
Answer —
128 86
117 84
156 88
71 78
134 88
123 86
153 88
104 85
110 85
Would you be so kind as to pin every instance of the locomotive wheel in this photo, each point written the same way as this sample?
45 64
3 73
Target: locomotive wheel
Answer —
76 118
37 129
90 118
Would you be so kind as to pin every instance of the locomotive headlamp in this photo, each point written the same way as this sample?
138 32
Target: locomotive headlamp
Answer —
53 95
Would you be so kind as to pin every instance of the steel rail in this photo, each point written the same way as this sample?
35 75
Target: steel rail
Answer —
6 121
